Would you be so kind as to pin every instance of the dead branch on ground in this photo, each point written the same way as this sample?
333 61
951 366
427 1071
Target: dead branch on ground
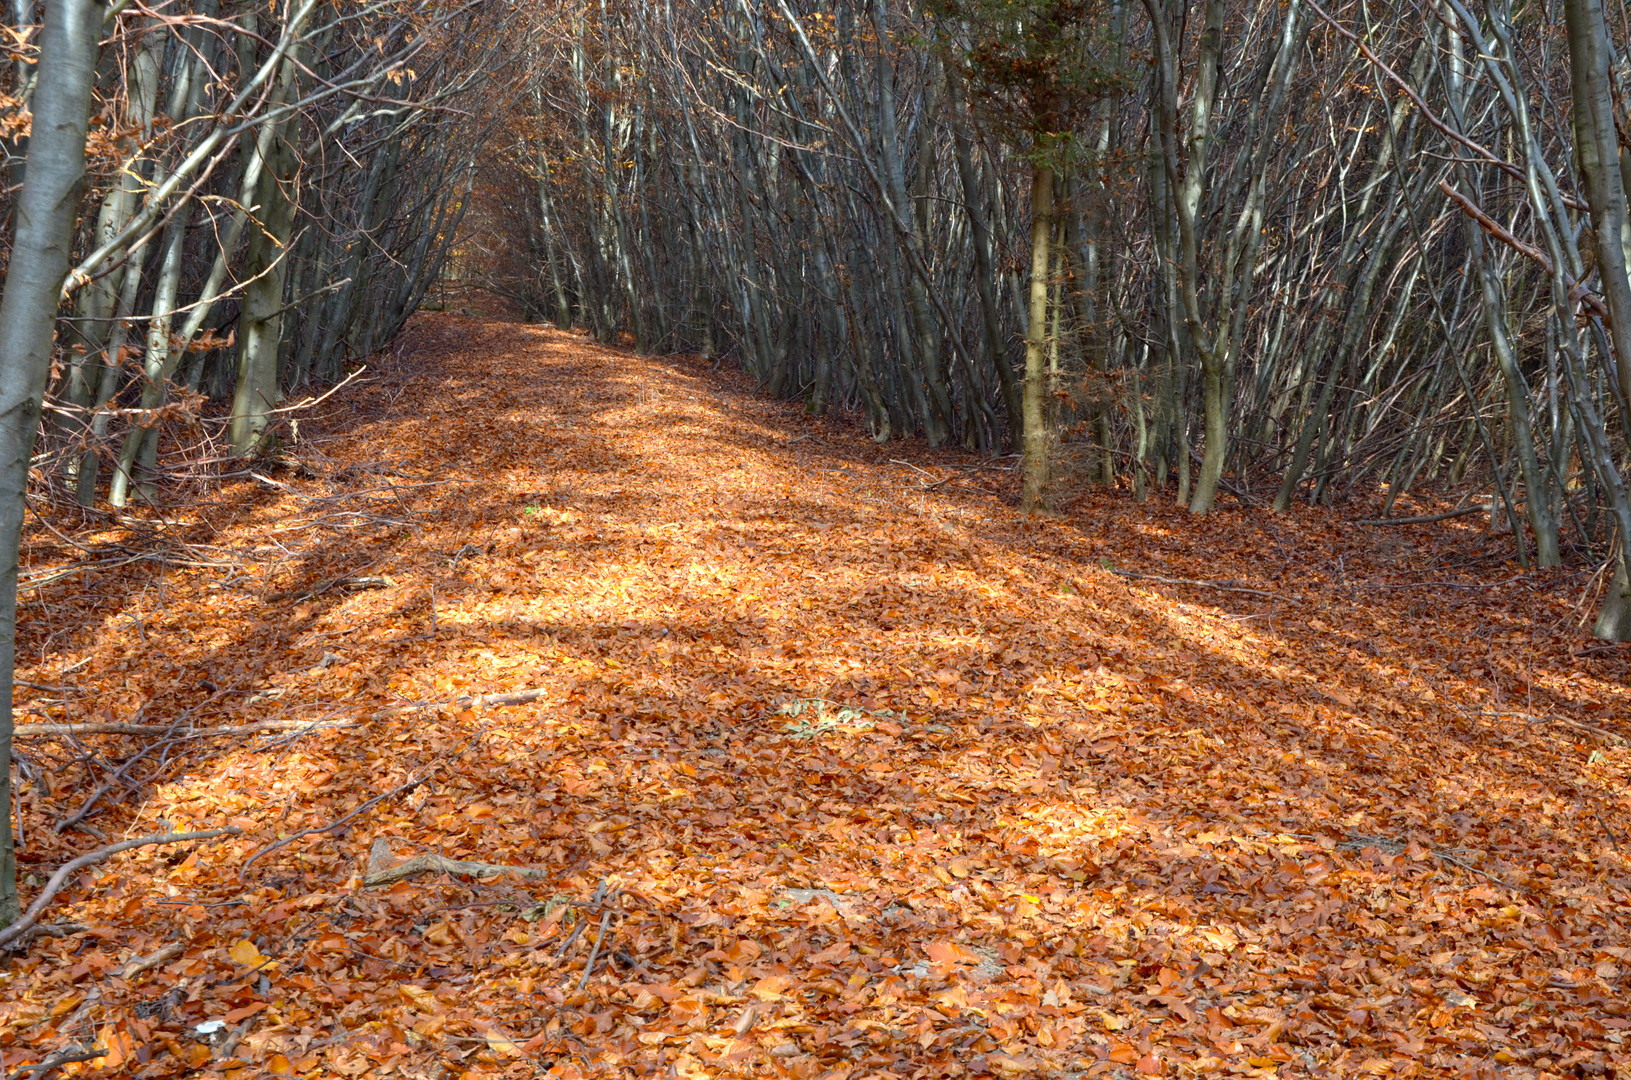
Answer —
67 870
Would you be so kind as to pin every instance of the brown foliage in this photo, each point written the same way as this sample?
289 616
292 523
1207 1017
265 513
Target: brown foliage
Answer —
843 768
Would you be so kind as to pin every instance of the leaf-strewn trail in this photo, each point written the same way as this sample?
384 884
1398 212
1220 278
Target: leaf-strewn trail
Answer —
836 766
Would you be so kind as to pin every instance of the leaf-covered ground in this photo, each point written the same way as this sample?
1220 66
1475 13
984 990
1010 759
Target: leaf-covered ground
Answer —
871 776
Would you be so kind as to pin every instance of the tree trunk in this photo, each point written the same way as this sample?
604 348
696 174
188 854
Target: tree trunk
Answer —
1036 434
985 273
157 361
1597 145
46 210
261 323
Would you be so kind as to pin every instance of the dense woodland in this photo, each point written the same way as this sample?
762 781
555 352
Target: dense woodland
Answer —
1262 252
1225 262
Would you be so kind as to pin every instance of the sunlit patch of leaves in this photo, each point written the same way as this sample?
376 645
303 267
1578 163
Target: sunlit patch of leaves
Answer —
872 798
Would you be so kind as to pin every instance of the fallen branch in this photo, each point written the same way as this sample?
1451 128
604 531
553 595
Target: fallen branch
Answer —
56 930
1614 738
356 579
1428 519
107 785
23 731
1220 586
138 964
68 869
600 894
52 1064
594 952
407 785
1607 828
473 701
441 864
1389 846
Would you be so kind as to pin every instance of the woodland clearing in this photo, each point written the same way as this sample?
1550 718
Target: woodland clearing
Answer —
826 762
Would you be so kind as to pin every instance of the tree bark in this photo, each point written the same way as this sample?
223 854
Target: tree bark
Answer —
1036 434
1597 146
261 324
46 211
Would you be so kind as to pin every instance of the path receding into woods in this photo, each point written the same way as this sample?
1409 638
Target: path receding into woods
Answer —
870 775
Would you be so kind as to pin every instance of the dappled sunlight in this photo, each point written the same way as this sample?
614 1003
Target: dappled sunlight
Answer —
868 770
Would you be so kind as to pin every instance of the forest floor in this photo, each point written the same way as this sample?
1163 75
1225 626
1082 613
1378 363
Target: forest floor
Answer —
828 763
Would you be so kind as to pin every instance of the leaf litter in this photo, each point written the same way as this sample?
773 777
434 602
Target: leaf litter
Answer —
815 766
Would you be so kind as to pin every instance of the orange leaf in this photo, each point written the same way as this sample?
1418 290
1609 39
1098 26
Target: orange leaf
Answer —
244 1013
771 987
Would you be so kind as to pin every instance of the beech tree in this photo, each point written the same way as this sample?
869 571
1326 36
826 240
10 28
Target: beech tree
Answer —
1034 72
1305 253
42 238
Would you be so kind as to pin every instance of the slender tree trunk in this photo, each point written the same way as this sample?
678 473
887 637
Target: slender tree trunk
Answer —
156 363
985 273
1037 437
45 214
1597 145
563 307
261 325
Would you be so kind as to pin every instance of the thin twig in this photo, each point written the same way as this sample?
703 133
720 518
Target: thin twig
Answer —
600 894
407 785
1615 840
24 731
1428 519
52 1064
1447 584
594 952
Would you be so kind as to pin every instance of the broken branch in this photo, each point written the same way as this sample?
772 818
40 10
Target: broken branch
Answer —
407 785
67 870
1428 519
24 731
441 864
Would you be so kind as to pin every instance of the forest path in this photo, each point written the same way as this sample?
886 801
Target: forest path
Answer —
887 779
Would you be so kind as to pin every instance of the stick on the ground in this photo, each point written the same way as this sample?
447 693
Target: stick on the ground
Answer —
471 701
52 1064
594 952
1601 820
1428 519
600 894
67 870
407 785
1447 584
24 731
441 864
138 964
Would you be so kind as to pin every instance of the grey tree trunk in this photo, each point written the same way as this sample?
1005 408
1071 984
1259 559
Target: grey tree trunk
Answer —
985 274
261 331
46 211
1597 145
1037 437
